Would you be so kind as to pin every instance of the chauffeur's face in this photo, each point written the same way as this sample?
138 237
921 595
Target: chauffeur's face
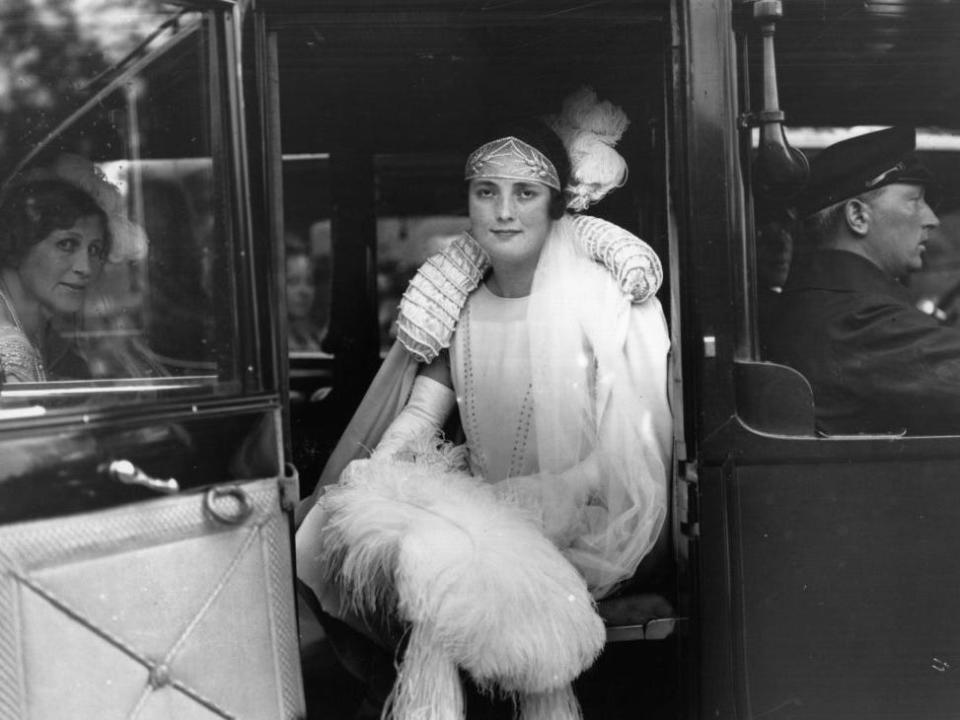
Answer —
900 222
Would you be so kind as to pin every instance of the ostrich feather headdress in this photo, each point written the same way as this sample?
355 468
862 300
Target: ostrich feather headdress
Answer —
589 130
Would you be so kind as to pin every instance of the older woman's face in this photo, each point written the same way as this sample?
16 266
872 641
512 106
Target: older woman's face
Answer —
510 219
57 270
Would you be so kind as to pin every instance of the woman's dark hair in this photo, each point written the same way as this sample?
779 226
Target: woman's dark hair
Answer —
295 246
31 211
537 133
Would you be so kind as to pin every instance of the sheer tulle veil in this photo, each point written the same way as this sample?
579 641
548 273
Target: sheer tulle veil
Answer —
601 411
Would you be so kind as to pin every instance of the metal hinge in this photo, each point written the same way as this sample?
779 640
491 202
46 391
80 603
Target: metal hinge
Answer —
289 488
688 493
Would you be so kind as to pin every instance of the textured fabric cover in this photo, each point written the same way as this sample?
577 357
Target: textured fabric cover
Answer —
152 610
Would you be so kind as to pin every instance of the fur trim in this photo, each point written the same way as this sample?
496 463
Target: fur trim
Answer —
478 582
428 684
558 704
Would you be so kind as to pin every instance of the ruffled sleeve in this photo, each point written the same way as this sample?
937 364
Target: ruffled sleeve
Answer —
431 305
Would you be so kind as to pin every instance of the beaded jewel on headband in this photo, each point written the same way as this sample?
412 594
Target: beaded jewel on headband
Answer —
512 159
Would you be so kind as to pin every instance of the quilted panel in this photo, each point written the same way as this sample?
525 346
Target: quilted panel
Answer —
287 638
149 611
128 591
167 704
71 672
251 689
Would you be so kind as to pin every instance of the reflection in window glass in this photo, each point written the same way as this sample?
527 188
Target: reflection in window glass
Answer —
308 251
116 272
308 288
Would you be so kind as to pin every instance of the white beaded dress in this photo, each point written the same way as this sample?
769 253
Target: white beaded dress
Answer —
490 362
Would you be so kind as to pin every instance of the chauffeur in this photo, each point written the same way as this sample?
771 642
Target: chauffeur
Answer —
875 362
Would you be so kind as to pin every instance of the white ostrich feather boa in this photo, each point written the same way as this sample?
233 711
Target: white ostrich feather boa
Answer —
481 587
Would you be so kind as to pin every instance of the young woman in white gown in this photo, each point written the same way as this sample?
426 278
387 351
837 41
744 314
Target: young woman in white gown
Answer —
557 369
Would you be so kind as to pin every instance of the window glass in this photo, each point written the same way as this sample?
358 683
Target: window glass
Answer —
117 266
308 251
421 207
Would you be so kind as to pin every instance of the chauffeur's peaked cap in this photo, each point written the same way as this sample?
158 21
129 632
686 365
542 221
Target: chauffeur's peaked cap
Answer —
865 162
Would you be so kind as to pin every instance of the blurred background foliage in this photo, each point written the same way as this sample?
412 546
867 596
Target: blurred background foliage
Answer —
53 55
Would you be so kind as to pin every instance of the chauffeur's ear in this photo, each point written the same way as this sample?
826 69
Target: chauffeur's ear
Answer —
856 213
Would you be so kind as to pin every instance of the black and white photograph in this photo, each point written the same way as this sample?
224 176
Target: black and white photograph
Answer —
479 359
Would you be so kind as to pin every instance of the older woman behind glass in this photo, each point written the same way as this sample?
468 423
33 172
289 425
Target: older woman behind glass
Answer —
54 239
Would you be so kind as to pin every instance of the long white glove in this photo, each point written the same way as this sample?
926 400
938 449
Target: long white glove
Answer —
422 417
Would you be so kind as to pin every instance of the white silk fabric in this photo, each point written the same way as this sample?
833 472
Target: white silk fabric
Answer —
603 422
490 364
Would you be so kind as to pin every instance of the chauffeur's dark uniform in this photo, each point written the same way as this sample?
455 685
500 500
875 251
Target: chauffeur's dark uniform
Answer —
876 363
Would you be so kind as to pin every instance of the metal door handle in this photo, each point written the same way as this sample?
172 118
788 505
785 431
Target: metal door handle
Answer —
126 472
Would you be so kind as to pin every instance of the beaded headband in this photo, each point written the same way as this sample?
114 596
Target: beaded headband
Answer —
511 159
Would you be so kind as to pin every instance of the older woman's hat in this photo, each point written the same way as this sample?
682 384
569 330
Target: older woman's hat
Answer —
128 241
860 164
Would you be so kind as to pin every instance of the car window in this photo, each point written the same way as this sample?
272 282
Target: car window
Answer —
135 295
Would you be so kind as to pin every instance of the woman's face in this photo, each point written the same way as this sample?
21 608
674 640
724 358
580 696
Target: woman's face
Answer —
300 286
57 270
510 219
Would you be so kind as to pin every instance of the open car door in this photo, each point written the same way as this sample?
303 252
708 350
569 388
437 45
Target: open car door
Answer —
145 543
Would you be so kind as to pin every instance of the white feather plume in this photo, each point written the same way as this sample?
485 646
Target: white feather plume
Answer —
561 703
581 110
428 684
476 579
589 130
